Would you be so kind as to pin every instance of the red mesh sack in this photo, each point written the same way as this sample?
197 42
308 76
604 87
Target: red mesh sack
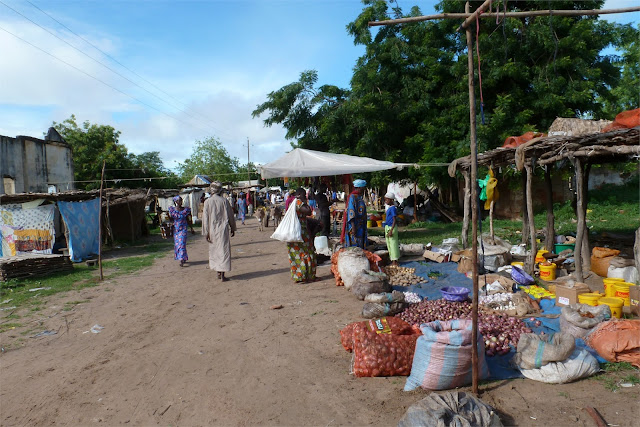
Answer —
380 353
388 325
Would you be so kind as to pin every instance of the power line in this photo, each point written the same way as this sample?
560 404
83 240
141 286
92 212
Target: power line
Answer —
102 64
118 62
99 80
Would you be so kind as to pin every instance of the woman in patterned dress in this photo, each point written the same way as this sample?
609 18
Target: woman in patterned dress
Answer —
181 218
302 255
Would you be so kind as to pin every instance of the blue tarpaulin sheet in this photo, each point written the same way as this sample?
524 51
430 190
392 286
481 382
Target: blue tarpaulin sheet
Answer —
82 221
500 367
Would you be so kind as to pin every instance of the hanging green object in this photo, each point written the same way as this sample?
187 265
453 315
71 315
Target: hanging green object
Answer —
483 186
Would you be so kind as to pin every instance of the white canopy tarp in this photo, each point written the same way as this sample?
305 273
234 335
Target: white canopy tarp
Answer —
300 163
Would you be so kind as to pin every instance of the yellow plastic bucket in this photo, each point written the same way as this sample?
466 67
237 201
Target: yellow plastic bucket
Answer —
379 223
539 257
622 291
615 304
609 290
590 298
518 264
371 224
548 272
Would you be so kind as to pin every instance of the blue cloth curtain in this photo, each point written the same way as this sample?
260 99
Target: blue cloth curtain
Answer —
82 220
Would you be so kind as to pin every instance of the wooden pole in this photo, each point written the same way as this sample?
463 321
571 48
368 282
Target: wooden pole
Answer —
532 227
491 232
467 209
525 216
586 254
524 14
551 234
474 210
100 221
415 201
577 255
471 18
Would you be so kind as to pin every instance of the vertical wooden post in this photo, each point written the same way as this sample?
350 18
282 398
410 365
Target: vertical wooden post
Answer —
551 234
474 209
577 254
532 227
525 216
491 233
100 221
467 209
586 254
415 201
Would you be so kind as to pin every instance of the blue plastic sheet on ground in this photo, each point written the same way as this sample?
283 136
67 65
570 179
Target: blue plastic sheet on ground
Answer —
500 367
449 276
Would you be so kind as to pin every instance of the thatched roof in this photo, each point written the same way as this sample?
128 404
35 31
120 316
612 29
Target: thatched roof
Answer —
615 146
115 195
496 157
576 127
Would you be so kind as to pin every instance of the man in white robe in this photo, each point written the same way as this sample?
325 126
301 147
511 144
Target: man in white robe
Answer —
218 226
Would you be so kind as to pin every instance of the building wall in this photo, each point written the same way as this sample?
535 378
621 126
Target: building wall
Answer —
34 163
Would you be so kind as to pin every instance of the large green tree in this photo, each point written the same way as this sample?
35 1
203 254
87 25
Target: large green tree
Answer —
93 144
209 157
408 99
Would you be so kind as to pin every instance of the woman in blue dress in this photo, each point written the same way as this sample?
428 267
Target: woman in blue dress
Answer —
354 222
242 207
181 219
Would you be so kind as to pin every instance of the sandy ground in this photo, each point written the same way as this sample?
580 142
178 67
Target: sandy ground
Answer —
180 348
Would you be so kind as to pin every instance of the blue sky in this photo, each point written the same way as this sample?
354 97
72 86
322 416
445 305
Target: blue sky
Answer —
215 60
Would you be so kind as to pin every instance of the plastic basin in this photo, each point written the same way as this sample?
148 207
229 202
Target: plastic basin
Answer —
455 293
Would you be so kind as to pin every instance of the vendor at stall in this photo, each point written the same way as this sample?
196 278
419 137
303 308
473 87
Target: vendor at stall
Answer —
354 223
391 228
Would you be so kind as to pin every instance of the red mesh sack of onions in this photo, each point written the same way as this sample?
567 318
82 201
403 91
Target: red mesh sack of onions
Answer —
386 325
382 354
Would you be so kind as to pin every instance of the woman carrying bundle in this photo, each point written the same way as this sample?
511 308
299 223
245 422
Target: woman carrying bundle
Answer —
302 255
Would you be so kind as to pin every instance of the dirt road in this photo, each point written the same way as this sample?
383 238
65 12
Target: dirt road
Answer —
180 348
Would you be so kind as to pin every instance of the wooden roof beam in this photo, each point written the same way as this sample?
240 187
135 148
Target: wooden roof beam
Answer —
524 14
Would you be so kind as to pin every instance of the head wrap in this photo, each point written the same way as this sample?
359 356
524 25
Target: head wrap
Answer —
359 183
215 187
390 195
176 198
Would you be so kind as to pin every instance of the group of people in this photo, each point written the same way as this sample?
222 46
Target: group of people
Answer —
219 225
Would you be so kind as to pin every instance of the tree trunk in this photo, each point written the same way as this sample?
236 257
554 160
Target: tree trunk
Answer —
550 235
525 216
581 219
532 227
586 252
466 210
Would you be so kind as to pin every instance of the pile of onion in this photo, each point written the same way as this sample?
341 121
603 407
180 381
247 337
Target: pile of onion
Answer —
498 332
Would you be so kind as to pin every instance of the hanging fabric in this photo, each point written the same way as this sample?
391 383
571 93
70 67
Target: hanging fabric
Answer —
82 221
28 230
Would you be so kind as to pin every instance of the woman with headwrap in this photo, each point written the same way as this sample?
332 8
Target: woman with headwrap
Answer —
181 219
242 207
218 226
354 221
302 255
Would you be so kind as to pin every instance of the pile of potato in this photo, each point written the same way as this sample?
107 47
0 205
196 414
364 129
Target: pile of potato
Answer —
403 276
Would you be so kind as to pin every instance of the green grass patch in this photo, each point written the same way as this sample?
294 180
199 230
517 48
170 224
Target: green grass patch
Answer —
81 277
614 375
9 326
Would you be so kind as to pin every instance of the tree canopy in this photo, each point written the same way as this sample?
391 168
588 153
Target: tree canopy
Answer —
408 98
94 144
209 157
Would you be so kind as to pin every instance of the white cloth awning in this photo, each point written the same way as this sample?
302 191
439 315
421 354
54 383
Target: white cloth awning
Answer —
300 163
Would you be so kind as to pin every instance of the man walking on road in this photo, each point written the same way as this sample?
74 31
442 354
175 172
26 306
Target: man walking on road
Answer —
218 225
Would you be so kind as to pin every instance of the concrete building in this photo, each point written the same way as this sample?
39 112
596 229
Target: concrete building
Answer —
33 165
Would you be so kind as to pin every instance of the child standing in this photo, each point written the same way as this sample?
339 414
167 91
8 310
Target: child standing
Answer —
391 228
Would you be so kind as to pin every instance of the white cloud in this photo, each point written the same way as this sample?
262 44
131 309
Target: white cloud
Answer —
39 89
